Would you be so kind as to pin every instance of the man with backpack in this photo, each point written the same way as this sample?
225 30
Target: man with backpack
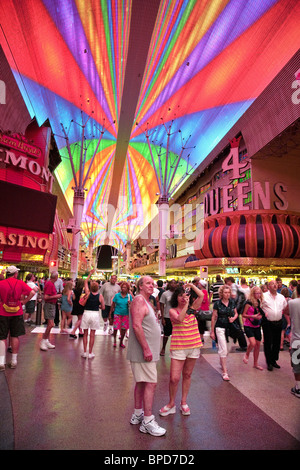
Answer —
14 293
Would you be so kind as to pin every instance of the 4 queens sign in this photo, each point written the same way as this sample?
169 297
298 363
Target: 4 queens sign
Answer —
2 92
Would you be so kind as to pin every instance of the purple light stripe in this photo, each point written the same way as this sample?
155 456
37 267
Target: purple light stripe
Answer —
236 17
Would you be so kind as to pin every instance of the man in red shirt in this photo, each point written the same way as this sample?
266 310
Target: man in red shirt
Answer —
50 297
14 293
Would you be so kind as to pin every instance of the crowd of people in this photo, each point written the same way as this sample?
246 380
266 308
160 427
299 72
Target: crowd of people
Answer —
151 315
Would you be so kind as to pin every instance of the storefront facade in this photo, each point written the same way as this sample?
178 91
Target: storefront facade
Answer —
31 206
28 208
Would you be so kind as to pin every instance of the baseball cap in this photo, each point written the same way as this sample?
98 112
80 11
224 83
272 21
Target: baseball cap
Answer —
12 269
203 283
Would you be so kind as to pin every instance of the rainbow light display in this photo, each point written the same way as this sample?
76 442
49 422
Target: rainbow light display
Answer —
207 62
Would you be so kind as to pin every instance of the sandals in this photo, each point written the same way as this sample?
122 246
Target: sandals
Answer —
185 410
225 377
166 410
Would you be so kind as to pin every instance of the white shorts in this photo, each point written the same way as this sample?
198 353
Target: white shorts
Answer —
183 354
90 319
144 371
222 342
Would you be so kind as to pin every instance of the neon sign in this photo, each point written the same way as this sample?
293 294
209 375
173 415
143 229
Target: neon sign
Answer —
214 202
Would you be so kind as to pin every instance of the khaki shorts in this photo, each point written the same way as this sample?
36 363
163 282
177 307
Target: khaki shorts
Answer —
183 354
49 311
144 371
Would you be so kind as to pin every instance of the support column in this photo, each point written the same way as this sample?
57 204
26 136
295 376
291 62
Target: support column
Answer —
163 211
128 255
78 203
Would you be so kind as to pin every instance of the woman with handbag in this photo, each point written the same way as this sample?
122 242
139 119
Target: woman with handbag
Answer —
252 316
223 316
92 301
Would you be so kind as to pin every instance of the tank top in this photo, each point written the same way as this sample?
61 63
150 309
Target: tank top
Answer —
205 302
93 302
152 333
252 311
185 335
65 306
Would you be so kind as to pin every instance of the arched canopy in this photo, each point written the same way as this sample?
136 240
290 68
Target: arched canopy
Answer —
189 68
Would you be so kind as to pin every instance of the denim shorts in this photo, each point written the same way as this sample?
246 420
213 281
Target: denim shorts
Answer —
30 306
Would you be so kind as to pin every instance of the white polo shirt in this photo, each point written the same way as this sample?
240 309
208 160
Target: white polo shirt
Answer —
273 306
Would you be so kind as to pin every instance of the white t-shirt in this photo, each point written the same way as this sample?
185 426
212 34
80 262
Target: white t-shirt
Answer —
245 290
34 287
155 292
273 306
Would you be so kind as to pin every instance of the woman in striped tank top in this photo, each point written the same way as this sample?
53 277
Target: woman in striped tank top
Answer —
185 344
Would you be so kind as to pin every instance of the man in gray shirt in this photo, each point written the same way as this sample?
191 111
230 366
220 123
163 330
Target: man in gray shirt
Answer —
165 304
109 290
294 312
143 354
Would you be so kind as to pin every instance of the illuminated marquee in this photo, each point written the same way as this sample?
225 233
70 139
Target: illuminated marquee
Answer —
214 203
25 163
17 143
22 240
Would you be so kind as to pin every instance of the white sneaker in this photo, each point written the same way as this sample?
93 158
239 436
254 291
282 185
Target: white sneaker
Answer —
84 354
49 345
136 419
152 428
91 355
110 330
105 327
43 345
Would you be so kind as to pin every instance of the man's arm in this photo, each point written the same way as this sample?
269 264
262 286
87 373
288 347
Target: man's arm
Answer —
29 297
86 282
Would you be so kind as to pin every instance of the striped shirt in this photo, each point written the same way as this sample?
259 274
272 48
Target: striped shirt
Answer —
185 335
